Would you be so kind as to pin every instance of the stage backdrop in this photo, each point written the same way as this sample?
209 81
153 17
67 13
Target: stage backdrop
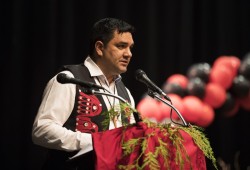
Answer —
39 36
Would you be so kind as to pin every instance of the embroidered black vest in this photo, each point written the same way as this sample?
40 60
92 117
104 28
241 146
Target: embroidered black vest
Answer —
86 115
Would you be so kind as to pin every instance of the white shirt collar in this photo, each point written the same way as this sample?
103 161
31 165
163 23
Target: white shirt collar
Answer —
94 70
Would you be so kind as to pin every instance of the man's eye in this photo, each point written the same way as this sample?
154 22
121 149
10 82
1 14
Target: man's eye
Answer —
121 46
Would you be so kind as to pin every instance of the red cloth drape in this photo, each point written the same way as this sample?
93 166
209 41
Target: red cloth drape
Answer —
108 148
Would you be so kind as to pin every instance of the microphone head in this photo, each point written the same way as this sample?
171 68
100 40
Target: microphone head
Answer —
139 74
62 78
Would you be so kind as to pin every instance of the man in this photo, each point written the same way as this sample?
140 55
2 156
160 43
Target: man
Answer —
67 116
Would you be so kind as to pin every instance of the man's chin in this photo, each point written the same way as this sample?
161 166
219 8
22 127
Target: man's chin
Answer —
123 70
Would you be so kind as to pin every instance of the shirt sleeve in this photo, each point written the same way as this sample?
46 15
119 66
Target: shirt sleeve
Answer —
56 106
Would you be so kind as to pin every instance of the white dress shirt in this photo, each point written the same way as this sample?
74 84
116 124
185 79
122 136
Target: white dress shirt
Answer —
57 104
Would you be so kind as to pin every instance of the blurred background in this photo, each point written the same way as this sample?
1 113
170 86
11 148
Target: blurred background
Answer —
176 41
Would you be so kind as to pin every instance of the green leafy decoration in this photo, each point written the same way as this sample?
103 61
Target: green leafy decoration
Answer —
181 152
163 151
151 161
125 109
129 146
201 141
150 158
105 122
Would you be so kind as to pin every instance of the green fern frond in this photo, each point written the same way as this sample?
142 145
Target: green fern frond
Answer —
105 122
151 162
130 145
201 141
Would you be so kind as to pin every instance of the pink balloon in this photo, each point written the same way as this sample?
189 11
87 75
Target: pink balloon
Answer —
235 61
231 62
221 75
193 108
207 116
179 79
149 108
215 95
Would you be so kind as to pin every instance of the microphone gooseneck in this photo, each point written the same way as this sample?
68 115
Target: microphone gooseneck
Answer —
64 79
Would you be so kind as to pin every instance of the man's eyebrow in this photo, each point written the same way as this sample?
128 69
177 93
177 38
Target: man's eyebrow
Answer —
125 43
122 42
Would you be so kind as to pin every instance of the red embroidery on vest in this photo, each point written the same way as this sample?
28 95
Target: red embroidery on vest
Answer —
88 106
84 124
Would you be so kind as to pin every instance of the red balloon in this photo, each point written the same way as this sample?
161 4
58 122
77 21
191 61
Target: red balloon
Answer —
207 116
179 79
176 102
235 61
221 75
193 108
215 95
231 62
148 108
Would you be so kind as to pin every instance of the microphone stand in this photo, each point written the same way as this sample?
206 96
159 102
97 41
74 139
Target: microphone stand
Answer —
155 95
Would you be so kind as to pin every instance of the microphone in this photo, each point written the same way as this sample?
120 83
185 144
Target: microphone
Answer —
64 78
142 77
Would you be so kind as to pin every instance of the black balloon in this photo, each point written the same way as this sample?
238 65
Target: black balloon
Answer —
228 105
196 87
240 86
247 56
245 68
200 70
174 88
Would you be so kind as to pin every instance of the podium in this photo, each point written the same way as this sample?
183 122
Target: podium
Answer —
150 146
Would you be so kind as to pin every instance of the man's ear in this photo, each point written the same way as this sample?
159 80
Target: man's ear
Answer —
99 46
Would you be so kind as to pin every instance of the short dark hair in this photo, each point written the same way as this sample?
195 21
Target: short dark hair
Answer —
103 30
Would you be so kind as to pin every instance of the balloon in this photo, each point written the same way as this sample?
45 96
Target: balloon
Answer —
200 70
178 79
245 68
149 108
215 95
240 87
221 75
176 102
231 62
229 105
235 61
207 116
196 87
247 56
174 88
193 108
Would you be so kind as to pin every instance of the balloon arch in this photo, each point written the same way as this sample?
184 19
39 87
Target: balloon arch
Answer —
205 90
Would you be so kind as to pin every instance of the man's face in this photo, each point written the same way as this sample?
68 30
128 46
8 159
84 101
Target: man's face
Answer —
117 53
